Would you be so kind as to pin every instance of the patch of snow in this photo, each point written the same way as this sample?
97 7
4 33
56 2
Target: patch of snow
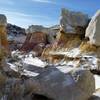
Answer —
13 67
97 81
34 61
64 69
73 53
29 73
72 63
90 61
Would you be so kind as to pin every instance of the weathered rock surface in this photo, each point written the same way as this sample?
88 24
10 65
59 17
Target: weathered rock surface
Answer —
73 22
56 84
16 36
35 41
93 29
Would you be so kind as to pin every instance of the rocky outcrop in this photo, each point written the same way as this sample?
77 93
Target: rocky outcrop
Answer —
93 29
16 36
15 30
35 41
73 22
50 31
63 43
38 37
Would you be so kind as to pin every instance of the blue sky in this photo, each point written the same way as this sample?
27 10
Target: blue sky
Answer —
43 12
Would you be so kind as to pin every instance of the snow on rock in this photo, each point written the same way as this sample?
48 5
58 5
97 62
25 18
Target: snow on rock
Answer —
25 72
13 67
34 61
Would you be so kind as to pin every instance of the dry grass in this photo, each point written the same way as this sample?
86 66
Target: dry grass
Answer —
64 42
87 47
69 41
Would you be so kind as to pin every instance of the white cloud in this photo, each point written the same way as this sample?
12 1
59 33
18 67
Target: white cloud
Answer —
24 20
7 2
43 1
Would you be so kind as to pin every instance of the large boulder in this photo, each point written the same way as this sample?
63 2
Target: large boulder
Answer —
73 22
93 29
56 83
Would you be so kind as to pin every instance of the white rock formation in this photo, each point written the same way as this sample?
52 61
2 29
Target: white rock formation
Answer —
93 29
71 20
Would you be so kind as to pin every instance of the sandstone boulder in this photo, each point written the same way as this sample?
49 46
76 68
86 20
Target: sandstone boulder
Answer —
35 41
93 29
73 22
